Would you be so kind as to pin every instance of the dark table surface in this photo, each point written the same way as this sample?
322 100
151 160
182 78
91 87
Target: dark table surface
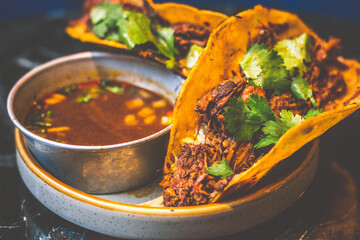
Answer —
329 209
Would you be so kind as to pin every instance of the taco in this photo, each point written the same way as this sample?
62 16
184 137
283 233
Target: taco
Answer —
264 86
173 34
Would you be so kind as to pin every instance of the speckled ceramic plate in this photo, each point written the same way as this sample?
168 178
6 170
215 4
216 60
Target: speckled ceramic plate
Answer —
129 214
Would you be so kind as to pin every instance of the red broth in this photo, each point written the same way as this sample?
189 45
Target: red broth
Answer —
99 113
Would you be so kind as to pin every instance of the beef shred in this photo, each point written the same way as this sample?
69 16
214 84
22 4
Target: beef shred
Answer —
326 85
187 34
289 102
268 34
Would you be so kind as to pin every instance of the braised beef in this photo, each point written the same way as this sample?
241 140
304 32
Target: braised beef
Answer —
289 102
328 52
326 85
187 34
267 34
244 157
189 184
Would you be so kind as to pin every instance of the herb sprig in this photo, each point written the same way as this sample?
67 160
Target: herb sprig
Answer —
244 121
112 22
221 169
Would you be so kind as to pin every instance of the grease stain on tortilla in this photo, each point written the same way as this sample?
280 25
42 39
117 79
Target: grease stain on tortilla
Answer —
308 130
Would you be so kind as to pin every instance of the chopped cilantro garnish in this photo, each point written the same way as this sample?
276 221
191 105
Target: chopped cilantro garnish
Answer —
99 13
84 99
264 68
295 52
301 89
49 114
193 55
68 90
313 113
40 130
243 121
111 22
104 17
273 130
166 36
114 89
113 36
96 90
100 29
170 63
134 29
221 169
42 124
259 106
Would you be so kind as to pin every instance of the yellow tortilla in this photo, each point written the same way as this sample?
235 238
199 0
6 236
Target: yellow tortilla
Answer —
171 12
225 49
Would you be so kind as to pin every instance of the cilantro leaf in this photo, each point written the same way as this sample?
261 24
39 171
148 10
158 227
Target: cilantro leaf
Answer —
166 34
264 68
100 29
135 29
243 121
240 120
221 169
289 120
259 106
268 139
295 53
112 23
99 12
273 130
301 89
104 17
313 113
113 36
193 55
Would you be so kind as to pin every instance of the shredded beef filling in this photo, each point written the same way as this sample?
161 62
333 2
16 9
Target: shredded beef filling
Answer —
188 34
326 85
289 102
188 183
268 34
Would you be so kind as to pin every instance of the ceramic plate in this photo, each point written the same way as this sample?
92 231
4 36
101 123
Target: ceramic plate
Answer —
129 214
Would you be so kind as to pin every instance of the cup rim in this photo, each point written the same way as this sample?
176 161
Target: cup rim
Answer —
58 61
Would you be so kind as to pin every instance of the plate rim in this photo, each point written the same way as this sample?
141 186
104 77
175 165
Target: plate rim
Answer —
90 199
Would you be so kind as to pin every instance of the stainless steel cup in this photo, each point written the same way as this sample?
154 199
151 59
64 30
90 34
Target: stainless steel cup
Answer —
95 169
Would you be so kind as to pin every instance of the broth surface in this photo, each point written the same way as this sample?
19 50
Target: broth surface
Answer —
99 113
